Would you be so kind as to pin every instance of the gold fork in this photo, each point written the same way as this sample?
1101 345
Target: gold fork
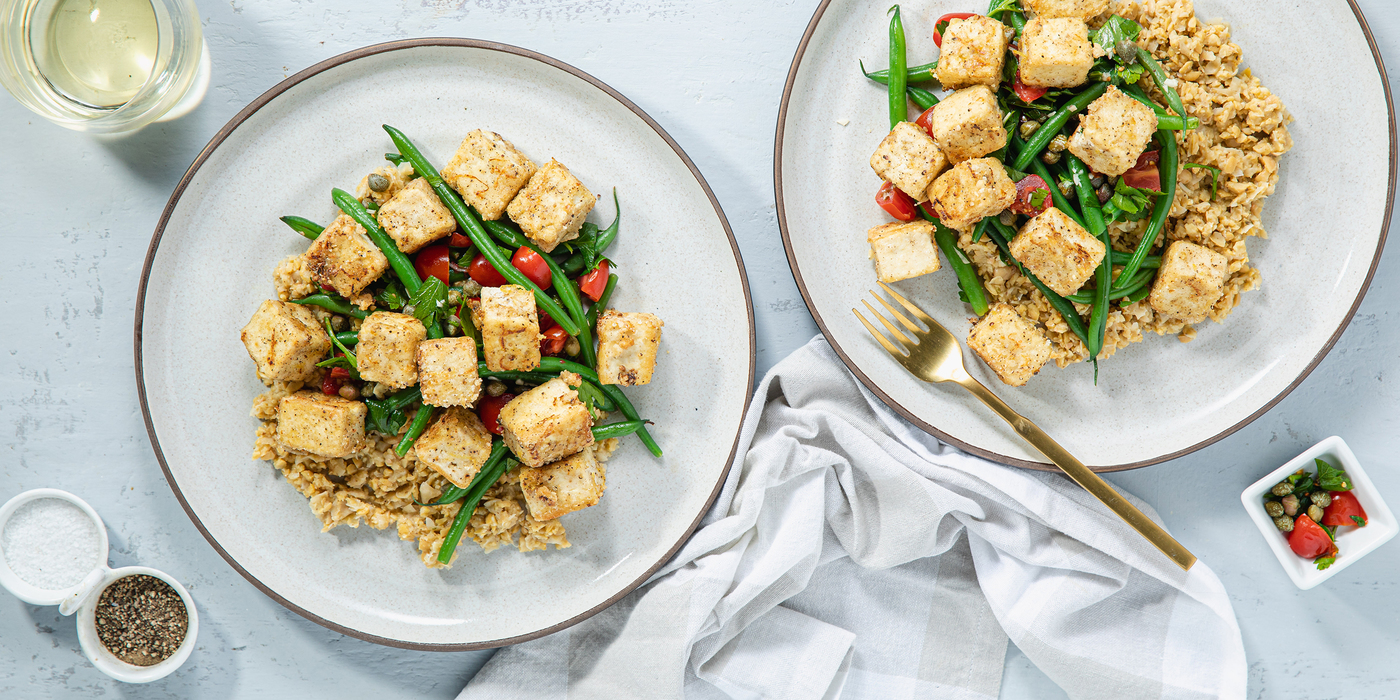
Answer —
937 357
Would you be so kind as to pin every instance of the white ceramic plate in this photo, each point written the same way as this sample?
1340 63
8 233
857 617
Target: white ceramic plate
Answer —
1158 399
210 265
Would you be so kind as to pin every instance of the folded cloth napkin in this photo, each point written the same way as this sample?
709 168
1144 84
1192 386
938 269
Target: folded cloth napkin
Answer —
852 555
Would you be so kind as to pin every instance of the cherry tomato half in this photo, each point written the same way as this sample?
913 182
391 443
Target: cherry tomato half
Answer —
1144 173
595 282
330 386
484 274
434 261
546 321
895 202
534 267
1344 506
1026 189
489 409
552 341
1027 93
925 120
458 240
1308 540
942 25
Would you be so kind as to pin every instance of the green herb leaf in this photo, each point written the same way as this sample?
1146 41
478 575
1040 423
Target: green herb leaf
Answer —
1038 198
1331 531
1127 75
1116 29
392 296
1014 174
383 417
430 303
1001 6
1324 562
1128 203
1331 478
1215 176
394 158
1360 521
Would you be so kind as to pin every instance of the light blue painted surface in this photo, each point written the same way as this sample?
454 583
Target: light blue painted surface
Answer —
78 214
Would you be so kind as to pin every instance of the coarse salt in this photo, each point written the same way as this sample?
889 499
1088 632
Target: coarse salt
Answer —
51 544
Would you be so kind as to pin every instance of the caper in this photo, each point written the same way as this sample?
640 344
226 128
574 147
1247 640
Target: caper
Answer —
378 182
1028 127
1315 513
1283 523
572 346
1059 143
1290 504
495 388
454 296
1273 508
1282 488
1321 499
1104 193
349 392
1127 52
471 288
1066 188
1007 217
338 322
1096 181
1050 157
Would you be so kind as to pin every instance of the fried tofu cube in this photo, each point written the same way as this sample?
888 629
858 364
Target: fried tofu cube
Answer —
1056 52
970 191
1078 9
1010 344
447 371
510 328
1113 133
902 250
552 207
1190 281
285 341
395 177
327 426
909 159
416 217
973 53
388 349
967 124
1058 251
573 483
455 446
488 172
547 423
627 345
343 259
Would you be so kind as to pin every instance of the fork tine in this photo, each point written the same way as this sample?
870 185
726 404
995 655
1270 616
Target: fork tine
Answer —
918 313
897 315
894 330
878 335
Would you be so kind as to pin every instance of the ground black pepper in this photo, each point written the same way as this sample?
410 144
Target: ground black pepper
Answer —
141 620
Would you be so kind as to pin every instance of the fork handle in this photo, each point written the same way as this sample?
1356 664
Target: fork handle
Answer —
1083 476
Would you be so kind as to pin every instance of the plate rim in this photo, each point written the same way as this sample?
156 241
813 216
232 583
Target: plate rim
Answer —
1045 466
266 98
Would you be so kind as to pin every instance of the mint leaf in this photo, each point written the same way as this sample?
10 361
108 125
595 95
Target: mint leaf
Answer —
1331 478
1116 29
1360 521
392 296
1324 562
430 302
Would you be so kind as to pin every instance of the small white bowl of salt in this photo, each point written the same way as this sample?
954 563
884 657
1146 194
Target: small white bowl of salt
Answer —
53 551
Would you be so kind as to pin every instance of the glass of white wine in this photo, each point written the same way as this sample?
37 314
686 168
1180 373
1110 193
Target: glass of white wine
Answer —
103 66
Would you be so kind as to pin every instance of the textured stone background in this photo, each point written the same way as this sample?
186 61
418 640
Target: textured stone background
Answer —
78 213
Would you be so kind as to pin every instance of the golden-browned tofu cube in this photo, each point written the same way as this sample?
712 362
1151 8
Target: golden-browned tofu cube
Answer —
573 483
416 217
488 171
971 190
551 208
1190 281
285 341
909 159
967 124
1056 52
627 345
510 328
547 423
328 426
1010 344
343 259
1058 251
973 53
1113 133
902 250
447 371
1078 9
391 179
455 446
388 349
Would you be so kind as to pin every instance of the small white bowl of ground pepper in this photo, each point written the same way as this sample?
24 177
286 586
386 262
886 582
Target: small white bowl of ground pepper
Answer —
138 625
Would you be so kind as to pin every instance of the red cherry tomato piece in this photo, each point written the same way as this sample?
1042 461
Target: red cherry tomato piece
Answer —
925 120
595 282
546 321
434 261
1343 507
553 340
330 386
895 202
489 409
534 267
458 240
484 274
1027 93
1308 540
942 25
1144 174
1026 190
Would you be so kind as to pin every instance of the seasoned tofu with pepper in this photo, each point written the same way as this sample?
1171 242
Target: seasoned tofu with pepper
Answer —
970 191
416 217
326 426
547 423
447 371
1190 281
510 328
573 483
488 172
455 446
1058 251
1010 344
552 207
909 159
967 124
1056 53
1078 9
973 52
388 348
1113 133
285 342
343 259
902 250
627 344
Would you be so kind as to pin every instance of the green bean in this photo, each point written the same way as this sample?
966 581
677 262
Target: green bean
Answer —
1159 76
403 267
1000 234
913 74
1087 296
347 337
608 235
921 97
586 391
305 227
1140 294
899 72
554 364
421 419
453 494
1056 121
968 280
1089 201
333 303
1167 167
602 303
404 398
490 472
1061 202
468 222
612 430
1150 262
1165 119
